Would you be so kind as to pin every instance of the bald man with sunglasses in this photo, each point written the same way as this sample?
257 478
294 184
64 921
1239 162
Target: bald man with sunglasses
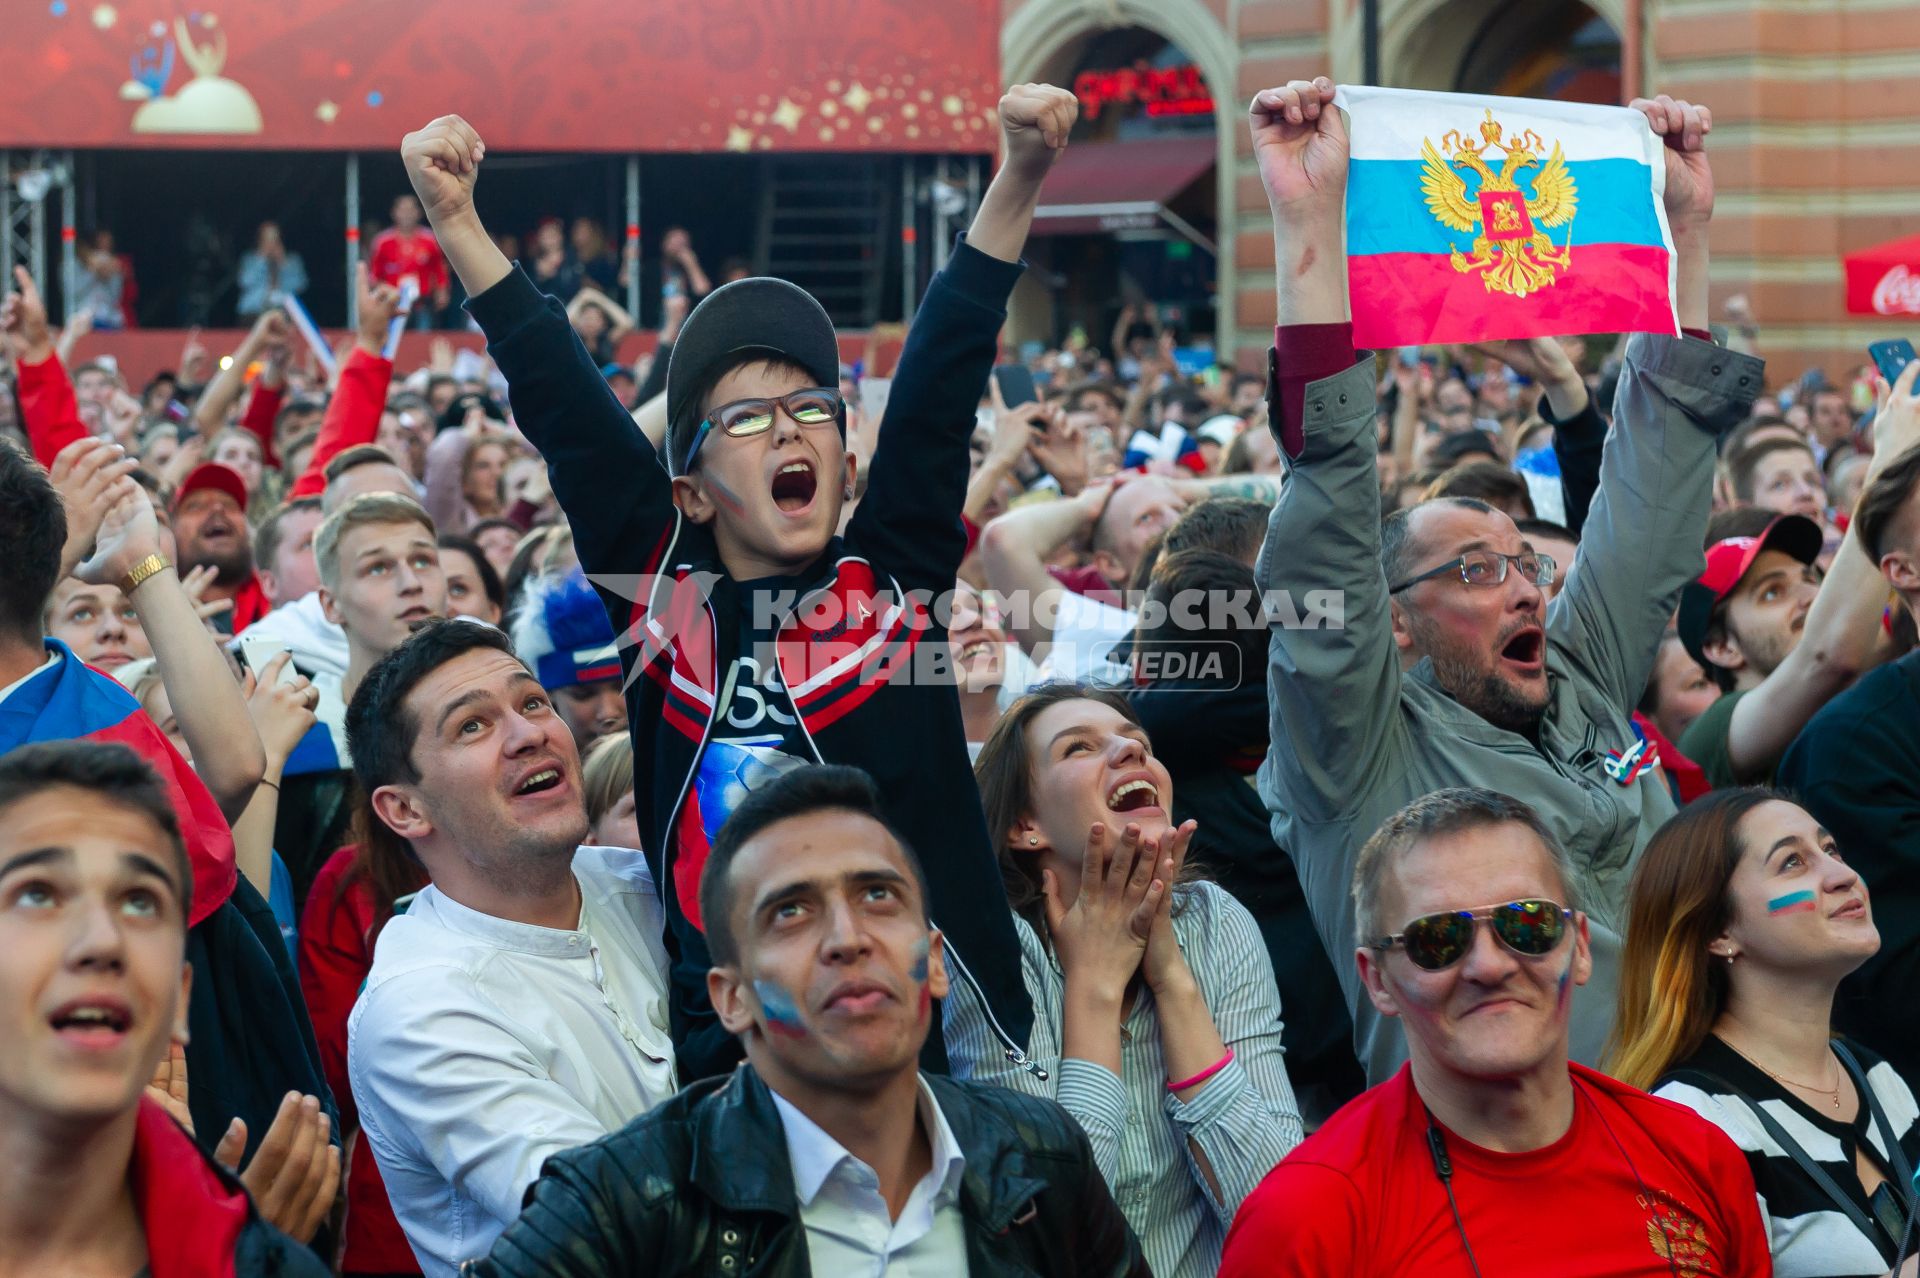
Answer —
1489 1152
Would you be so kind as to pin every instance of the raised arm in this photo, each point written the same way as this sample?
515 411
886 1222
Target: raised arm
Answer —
608 478
353 414
48 409
909 518
1332 690
223 392
206 698
1578 430
1015 548
1643 534
1841 636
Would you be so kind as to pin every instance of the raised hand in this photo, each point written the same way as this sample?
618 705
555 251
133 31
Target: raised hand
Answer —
1165 964
129 532
1035 120
378 304
1684 127
1300 144
443 163
195 585
1101 937
295 1173
281 712
168 1087
1896 420
194 357
87 474
23 318
1061 451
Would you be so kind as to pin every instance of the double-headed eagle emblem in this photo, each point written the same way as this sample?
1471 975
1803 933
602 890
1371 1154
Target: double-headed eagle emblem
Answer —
1514 255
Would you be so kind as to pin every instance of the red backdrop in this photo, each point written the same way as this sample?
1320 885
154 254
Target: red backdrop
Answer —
532 75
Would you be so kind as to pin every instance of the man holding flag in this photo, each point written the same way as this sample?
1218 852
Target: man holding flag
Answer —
1452 669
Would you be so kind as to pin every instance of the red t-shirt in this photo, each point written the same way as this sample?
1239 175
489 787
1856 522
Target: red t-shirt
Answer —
1361 1198
396 256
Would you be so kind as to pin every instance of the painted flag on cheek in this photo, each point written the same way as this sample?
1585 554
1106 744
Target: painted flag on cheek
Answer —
1474 218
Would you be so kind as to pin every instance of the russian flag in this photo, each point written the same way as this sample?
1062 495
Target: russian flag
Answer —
68 700
1473 218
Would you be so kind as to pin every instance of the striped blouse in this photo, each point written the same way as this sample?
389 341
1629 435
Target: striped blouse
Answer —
1243 1120
1811 1238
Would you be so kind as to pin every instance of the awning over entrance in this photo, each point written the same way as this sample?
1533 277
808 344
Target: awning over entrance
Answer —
1882 280
1123 186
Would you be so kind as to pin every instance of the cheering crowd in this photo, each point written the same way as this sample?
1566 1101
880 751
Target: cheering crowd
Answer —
541 816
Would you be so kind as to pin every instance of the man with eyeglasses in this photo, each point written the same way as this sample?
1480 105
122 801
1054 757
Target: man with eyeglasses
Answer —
1451 668
1489 1153
753 640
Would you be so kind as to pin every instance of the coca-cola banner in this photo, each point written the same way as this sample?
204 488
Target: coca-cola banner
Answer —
1885 279
573 75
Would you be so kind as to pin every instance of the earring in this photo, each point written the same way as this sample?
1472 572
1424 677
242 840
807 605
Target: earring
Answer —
1730 960
1033 840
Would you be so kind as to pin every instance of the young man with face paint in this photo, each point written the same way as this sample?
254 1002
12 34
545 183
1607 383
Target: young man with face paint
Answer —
98 1177
1451 668
518 1007
828 1153
1489 1152
753 639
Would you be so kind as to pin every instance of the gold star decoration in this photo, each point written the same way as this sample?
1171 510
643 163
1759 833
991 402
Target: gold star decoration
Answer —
739 139
856 97
326 112
104 16
950 104
829 108
787 115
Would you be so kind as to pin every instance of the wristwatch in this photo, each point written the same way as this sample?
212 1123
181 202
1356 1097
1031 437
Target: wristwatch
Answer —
140 572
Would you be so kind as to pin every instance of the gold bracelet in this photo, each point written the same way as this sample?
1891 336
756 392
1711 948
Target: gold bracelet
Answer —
140 572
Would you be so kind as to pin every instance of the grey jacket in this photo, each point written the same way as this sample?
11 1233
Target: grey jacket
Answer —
1354 739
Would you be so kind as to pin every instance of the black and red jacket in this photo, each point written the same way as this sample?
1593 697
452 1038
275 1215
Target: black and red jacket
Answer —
854 645
198 1219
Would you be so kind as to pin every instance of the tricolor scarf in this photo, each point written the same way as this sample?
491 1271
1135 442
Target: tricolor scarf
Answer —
71 700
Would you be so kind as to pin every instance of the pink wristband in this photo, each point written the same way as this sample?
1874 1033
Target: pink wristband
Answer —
1203 1075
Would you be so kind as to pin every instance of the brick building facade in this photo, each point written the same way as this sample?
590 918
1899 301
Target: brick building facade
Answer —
1816 108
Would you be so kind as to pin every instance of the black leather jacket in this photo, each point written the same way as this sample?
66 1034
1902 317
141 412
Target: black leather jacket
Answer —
700 1187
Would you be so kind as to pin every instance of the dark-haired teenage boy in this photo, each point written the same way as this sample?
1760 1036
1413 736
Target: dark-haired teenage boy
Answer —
753 639
95 892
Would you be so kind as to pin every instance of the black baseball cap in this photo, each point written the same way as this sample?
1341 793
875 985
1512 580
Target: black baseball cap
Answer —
757 314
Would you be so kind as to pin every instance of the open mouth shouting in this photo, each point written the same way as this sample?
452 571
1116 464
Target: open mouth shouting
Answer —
1525 652
1135 794
92 1024
793 487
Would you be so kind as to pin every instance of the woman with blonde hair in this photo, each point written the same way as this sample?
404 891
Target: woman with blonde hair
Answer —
1743 920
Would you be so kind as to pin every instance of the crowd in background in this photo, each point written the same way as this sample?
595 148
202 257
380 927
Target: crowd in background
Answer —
463 901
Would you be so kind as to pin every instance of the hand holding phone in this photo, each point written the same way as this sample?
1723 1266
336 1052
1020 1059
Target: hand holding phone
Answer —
1890 357
256 653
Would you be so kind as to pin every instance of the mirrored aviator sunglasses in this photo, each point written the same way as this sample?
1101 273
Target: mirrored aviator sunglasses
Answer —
1433 942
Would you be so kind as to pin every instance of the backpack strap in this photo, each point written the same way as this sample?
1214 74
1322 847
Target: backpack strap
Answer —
1867 1225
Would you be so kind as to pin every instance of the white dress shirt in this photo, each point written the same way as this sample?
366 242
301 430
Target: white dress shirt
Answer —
480 1047
850 1233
